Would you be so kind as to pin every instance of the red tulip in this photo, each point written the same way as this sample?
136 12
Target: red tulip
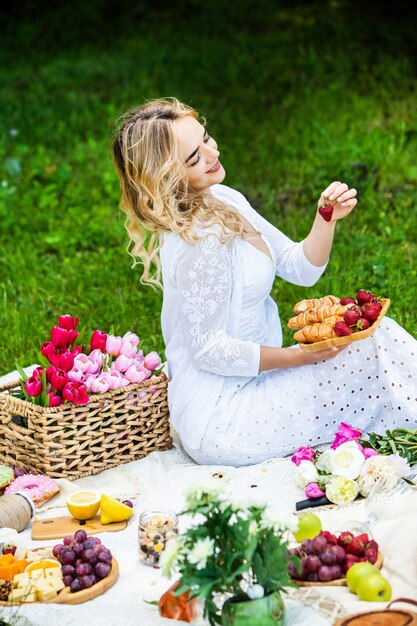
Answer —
33 386
58 378
76 350
47 349
59 336
75 392
66 361
54 400
38 371
68 322
73 334
98 340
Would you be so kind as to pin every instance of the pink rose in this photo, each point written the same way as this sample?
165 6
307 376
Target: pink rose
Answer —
132 337
136 373
122 363
367 452
113 345
128 348
303 454
313 491
99 384
345 432
152 361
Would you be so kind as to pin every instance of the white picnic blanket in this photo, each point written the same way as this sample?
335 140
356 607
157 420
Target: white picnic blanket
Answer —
159 481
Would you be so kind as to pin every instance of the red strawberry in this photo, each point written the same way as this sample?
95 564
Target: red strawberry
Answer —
344 539
372 544
9 548
364 538
356 547
342 329
371 555
352 316
362 324
364 295
345 301
349 561
326 212
371 311
329 537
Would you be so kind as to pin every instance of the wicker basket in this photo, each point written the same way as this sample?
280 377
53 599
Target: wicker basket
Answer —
73 441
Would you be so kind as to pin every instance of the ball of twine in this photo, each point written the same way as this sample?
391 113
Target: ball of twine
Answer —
15 512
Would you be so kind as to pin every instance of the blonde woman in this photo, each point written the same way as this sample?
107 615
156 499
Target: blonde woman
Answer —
236 396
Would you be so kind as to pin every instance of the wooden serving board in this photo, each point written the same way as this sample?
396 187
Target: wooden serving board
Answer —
59 527
67 597
343 341
338 582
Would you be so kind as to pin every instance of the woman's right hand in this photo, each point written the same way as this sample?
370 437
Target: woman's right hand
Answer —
304 357
273 358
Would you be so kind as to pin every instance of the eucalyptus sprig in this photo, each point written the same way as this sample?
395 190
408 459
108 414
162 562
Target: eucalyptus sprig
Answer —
400 441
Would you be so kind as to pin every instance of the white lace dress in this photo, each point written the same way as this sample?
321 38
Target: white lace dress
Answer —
216 314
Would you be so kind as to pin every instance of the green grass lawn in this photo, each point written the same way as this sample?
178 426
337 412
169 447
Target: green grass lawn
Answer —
297 95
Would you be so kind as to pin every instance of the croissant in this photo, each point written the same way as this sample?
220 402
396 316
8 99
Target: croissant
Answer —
315 332
308 304
318 314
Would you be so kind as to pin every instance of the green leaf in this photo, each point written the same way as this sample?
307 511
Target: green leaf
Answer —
22 373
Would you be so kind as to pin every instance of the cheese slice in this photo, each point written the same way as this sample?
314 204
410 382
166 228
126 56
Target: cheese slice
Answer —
44 590
22 594
21 580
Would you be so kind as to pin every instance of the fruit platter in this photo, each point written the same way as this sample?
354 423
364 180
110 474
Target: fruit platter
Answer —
332 321
327 558
74 571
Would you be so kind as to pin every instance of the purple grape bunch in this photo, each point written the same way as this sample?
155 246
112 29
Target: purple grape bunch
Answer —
84 560
320 561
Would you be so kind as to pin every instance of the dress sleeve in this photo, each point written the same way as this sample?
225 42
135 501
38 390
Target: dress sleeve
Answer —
204 281
291 263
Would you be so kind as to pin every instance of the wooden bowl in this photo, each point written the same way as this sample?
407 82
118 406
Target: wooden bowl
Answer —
343 341
338 582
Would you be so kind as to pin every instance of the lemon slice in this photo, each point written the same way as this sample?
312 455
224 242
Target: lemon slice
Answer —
83 504
113 511
42 564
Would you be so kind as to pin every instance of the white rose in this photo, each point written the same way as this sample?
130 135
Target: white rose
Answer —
340 490
323 461
381 472
346 460
306 474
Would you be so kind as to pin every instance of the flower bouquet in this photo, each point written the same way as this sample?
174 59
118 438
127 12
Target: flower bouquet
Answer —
238 552
87 407
349 468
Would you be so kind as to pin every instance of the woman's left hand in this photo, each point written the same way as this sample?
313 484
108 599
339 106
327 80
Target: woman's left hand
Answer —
340 197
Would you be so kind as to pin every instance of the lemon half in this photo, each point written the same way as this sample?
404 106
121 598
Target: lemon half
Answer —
113 511
83 504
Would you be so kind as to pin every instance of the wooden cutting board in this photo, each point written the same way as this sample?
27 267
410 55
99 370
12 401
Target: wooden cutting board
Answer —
59 527
343 341
67 597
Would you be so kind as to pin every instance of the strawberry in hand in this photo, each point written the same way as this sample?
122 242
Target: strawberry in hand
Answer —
336 201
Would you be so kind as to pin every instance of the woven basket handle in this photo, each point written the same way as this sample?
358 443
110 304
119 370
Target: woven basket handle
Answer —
407 600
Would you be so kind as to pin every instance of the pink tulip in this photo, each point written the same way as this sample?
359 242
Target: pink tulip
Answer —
303 454
88 381
38 371
68 322
99 384
76 374
96 355
33 386
367 452
98 340
132 337
75 392
122 363
113 345
85 364
152 361
128 348
313 491
137 373
60 336
54 400
115 379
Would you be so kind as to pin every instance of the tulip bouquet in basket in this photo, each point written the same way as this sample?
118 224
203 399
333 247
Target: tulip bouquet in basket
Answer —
349 468
70 373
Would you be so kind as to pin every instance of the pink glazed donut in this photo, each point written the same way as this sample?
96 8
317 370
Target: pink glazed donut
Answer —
39 488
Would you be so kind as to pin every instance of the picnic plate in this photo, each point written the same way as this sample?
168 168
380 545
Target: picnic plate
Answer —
343 341
338 582
66 596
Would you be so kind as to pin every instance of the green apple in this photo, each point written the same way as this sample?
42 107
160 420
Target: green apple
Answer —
374 588
355 573
309 526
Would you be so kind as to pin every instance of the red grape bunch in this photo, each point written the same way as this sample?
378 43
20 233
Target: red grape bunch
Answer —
328 557
85 560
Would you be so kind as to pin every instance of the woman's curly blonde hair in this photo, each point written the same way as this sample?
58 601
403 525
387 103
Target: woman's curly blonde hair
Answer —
154 193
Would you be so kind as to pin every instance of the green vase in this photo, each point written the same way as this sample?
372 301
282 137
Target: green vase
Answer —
266 611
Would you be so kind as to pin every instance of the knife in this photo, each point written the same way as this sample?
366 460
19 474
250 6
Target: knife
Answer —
311 502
